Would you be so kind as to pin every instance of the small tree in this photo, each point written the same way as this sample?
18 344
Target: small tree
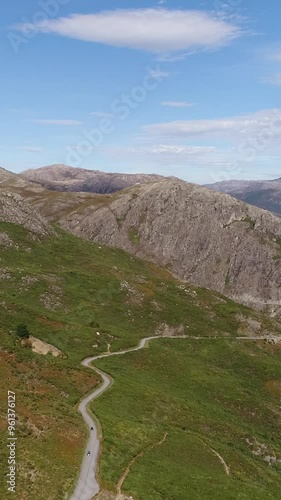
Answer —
22 332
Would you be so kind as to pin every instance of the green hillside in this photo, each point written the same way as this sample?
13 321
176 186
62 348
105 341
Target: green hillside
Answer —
208 398
84 299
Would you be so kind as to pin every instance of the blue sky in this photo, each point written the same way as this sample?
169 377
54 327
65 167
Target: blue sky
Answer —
181 87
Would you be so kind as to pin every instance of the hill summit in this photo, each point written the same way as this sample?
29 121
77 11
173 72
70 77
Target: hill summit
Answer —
64 178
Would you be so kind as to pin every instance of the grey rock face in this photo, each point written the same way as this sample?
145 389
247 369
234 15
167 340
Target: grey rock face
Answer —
14 182
204 237
14 209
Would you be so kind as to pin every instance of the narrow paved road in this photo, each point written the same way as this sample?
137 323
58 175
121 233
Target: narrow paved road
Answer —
87 485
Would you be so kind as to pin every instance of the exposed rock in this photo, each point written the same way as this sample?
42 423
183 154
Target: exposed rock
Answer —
41 347
5 274
205 237
51 299
65 178
5 240
262 450
169 331
14 209
134 296
248 326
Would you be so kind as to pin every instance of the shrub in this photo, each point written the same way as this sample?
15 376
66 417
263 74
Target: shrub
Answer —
22 332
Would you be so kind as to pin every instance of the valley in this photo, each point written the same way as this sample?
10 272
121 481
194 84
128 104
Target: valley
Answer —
177 411
140 296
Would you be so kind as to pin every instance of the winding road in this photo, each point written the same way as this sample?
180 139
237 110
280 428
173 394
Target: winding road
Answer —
87 485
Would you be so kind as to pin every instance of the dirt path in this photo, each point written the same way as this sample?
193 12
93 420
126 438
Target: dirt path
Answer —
226 468
131 463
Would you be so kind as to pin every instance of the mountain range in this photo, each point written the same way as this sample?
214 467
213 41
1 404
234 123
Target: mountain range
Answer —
65 178
263 194
195 415
202 236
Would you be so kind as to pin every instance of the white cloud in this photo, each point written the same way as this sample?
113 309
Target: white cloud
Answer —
174 150
274 79
156 30
31 149
101 114
173 58
157 74
177 104
57 122
266 122
172 159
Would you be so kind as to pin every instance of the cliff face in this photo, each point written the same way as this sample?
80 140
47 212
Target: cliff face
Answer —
202 236
14 209
207 238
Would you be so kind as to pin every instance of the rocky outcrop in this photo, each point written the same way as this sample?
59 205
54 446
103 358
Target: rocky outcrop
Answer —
41 347
16 183
14 209
207 238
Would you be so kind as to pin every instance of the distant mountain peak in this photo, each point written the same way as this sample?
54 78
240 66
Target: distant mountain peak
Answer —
59 177
263 194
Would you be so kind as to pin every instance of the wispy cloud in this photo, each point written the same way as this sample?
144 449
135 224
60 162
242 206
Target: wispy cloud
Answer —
274 79
178 155
174 150
159 74
173 57
242 125
57 122
101 114
31 149
177 104
156 30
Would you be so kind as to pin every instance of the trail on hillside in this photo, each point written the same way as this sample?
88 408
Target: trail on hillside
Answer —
131 463
87 485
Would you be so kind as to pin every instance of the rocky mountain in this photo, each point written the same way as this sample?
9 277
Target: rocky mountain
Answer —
79 299
16 183
205 237
65 178
263 194
14 209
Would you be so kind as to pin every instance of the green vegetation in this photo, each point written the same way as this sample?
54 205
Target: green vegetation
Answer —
134 236
22 332
247 220
66 290
208 396
227 279
250 221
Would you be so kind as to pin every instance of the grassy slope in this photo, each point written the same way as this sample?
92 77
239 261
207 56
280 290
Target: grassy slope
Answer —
204 394
66 289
